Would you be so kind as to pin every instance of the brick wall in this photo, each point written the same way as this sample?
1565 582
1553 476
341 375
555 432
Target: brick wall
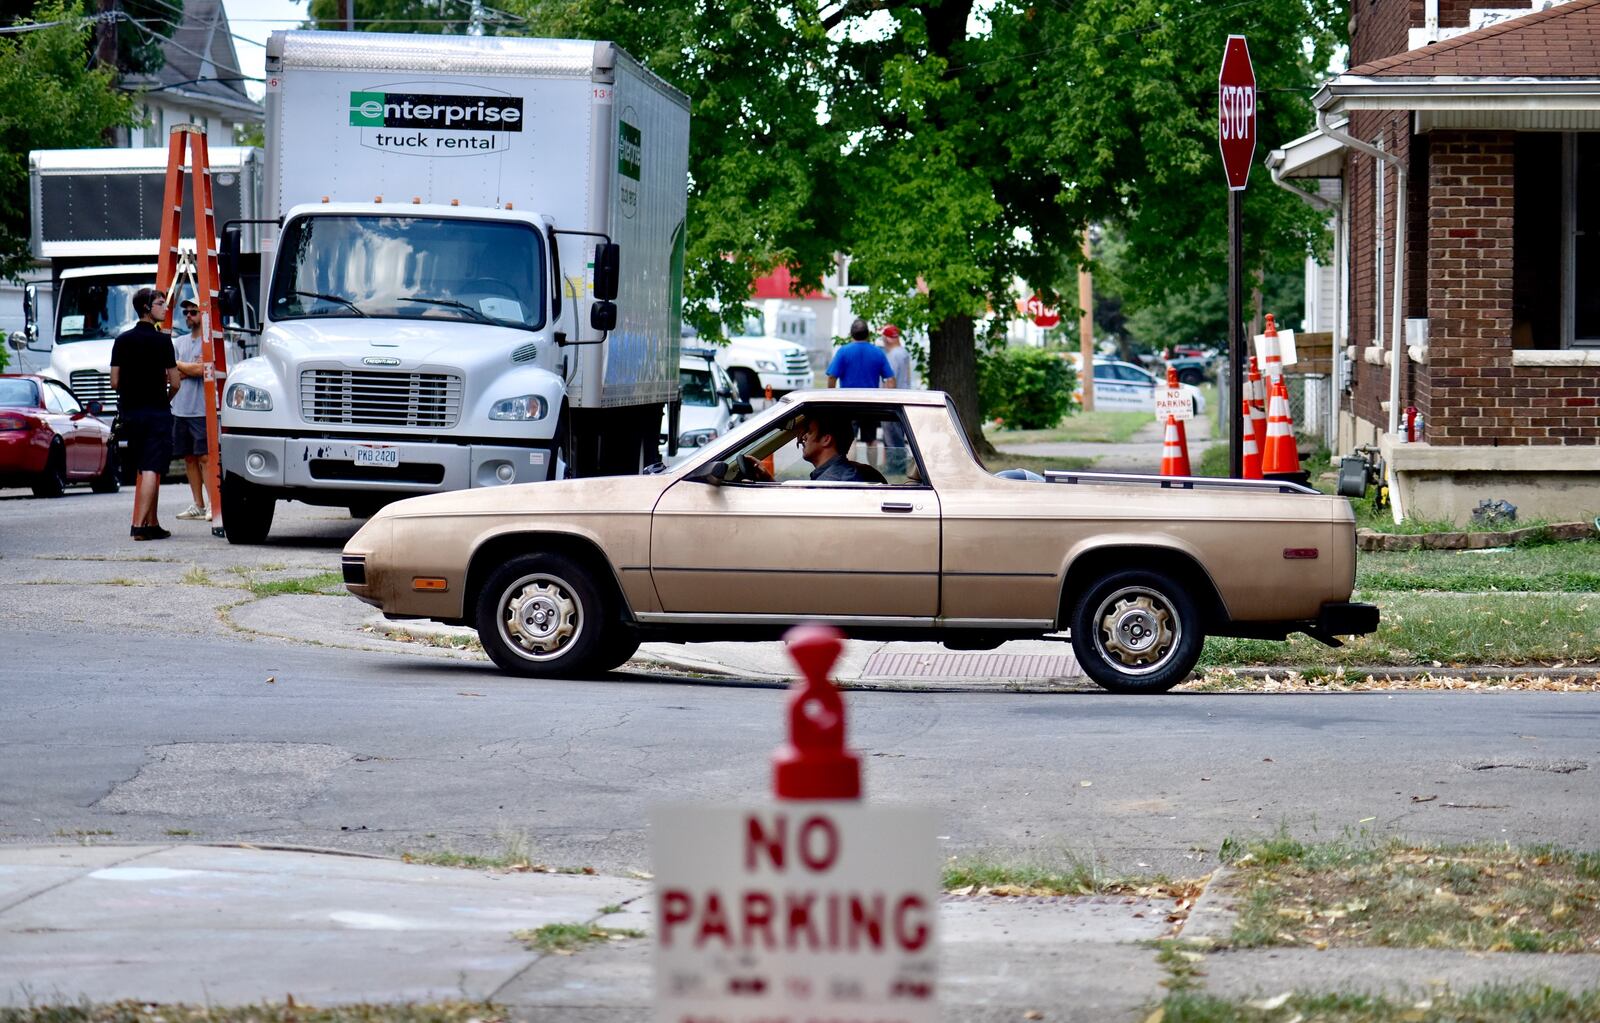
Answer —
1380 28
1470 190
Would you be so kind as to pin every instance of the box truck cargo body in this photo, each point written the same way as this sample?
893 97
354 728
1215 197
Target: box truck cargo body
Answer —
96 222
427 300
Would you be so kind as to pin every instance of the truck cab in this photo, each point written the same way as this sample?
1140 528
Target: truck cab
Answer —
405 349
757 358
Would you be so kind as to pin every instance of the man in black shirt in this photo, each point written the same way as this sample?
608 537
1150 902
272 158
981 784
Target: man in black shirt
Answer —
145 376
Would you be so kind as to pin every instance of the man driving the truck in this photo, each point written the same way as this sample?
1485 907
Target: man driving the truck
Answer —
824 439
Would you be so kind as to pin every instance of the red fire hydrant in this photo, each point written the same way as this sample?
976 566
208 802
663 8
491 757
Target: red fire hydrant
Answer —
814 763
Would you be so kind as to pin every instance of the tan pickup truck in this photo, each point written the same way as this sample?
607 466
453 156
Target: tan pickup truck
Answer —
904 534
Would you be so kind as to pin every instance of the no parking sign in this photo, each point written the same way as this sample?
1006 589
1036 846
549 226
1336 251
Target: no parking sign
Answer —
796 912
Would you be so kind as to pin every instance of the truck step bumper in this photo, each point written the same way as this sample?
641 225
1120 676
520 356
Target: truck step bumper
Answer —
405 467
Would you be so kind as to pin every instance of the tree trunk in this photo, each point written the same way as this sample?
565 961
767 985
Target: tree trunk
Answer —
953 369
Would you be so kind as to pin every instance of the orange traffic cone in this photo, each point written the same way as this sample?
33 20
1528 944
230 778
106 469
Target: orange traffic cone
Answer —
1257 394
1252 450
1174 453
1280 456
1183 434
1274 358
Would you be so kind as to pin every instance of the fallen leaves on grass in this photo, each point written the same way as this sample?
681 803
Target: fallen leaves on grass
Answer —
1229 680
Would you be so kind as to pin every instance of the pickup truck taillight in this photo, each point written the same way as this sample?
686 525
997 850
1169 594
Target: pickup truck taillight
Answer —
12 423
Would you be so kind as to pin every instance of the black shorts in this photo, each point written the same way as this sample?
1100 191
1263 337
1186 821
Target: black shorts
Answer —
188 435
148 432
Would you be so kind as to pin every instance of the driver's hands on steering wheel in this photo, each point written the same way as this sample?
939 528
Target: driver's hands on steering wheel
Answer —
753 471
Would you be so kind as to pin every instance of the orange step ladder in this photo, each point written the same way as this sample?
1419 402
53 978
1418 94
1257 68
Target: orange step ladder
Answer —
191 140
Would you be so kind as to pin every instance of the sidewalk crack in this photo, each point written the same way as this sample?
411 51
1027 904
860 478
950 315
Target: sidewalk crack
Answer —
8 907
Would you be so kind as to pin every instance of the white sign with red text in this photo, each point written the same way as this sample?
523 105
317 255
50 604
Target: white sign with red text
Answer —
1176 404
796 912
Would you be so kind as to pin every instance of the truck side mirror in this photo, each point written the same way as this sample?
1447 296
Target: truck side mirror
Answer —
607 270
603 316
17 340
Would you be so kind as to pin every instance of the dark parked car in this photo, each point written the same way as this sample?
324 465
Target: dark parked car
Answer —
48 438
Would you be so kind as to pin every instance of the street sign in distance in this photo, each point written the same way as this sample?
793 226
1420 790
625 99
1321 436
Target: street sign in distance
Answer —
1236 112
796 910
1176 404
1043 316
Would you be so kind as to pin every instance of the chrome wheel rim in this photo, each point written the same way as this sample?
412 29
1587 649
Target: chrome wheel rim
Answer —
540 617
1137 630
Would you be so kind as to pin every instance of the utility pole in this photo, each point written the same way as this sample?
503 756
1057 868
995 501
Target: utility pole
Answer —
347 14
105 36
1086 325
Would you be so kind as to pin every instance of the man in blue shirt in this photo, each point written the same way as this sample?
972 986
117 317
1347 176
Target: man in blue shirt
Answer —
860 363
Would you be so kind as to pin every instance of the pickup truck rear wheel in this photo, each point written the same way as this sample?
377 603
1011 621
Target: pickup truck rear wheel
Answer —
541 616
1137 631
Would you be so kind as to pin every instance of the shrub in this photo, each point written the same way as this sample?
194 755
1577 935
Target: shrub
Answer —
1026 388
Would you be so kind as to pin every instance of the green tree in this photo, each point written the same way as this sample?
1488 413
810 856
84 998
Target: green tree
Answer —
141 30
52 102
446 17
764 168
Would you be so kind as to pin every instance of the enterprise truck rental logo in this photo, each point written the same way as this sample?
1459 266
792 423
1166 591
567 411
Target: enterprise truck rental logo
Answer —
430 124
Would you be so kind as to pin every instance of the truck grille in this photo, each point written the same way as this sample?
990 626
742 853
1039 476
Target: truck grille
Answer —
369 398
92 385
796 363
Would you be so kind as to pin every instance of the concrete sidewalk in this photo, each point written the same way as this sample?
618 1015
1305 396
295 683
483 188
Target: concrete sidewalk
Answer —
230 925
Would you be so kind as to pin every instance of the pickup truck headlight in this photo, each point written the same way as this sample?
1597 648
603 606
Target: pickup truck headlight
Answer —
696 438
524 408
249 399
766 367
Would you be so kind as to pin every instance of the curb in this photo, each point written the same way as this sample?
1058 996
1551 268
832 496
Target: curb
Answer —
1212 917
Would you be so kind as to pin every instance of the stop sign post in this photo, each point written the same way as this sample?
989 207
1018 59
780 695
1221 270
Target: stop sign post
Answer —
1236 137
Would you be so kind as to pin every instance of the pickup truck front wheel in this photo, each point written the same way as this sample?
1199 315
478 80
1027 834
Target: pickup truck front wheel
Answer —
540 616
1137 631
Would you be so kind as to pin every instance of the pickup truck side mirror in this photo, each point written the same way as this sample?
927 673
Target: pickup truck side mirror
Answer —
603 316
741 408
712 474
607 270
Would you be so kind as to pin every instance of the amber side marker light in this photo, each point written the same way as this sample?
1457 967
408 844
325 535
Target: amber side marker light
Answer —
1300 553
428 583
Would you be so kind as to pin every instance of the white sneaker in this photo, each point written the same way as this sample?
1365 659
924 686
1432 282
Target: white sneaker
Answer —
194 511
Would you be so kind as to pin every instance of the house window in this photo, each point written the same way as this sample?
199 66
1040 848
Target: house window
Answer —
1556 242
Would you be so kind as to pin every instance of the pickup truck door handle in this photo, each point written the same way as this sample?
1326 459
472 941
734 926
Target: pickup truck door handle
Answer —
896 506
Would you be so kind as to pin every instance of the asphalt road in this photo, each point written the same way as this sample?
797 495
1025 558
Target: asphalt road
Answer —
133 711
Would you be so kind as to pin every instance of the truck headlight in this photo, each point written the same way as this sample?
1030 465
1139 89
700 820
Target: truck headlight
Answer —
249 399
696 438
766 367
525 408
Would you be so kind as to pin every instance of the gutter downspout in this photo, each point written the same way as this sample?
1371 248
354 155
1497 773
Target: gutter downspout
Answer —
1397 323
1337 209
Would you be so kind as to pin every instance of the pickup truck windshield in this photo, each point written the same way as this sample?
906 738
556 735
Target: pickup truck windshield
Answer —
475 271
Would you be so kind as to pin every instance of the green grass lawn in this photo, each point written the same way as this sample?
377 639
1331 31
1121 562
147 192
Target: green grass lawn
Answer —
1083 427
1564 567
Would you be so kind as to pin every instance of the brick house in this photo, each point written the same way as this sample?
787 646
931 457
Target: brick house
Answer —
1467 249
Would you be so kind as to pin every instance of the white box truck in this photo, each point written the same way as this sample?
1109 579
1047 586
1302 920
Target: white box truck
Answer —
435 308
96 221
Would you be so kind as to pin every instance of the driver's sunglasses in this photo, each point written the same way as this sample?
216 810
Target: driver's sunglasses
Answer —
191 312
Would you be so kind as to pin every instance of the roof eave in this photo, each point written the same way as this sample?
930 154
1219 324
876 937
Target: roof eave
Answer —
1456 92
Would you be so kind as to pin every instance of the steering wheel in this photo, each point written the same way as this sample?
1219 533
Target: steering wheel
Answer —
751 471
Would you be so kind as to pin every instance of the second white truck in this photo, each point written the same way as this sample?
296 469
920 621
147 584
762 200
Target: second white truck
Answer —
455 216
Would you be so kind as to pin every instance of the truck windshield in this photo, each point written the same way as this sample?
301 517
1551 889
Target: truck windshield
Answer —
478 271
100 308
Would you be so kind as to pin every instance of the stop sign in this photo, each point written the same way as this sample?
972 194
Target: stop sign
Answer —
1043 316
1236 112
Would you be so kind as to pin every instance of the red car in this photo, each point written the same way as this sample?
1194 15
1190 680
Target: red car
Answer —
48 438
